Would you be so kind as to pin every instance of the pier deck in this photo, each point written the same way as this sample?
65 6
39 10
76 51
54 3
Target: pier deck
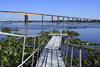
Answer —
51 55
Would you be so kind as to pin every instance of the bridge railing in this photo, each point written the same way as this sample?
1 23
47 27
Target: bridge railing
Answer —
79 46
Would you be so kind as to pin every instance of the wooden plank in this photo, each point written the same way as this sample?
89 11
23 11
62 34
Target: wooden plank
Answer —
50 43
51 46
60 59
48 64
42 59
54 59
56 43
58 34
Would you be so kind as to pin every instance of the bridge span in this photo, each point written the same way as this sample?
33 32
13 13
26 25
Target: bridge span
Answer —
27 14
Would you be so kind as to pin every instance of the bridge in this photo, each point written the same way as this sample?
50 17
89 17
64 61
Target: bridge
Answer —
27 14
52 55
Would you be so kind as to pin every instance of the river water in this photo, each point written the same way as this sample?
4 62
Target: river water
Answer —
89 31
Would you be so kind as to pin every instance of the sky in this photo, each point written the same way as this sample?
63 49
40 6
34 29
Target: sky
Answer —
72 8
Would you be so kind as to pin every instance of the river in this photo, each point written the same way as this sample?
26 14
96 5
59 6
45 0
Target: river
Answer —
89 31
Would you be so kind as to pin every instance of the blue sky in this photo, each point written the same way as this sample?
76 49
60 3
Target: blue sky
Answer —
72 8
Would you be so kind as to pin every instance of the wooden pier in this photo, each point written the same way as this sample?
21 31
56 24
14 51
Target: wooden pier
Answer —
51 55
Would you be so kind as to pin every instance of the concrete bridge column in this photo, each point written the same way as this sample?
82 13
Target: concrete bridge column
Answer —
63 20
52 19
76 19
87 19
90 20
84 19
26 19
42 19
58 18
68 18
80 19
72 19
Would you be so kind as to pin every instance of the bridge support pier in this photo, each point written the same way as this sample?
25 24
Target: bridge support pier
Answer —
84 19
63 20
42 19
52 19
76 19
87 19
26 19
80 19
72 19
68 19
58 18
90 20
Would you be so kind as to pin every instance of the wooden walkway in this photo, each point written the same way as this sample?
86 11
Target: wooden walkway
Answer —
51 55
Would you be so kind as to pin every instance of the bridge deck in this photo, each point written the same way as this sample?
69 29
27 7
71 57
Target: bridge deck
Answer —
51 56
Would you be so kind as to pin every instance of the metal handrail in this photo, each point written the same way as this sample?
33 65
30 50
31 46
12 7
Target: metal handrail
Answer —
79 46
31 54
83 46
2 33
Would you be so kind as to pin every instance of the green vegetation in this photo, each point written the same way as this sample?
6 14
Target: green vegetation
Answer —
71 33
11 50
8 30
58 23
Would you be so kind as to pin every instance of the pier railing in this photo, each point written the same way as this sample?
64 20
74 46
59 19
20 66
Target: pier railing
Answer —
78 46
34 50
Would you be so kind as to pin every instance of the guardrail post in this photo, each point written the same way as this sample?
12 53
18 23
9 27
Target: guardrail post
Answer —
80 57
66 54
38 50
44 38
71 57
33 51
23 51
